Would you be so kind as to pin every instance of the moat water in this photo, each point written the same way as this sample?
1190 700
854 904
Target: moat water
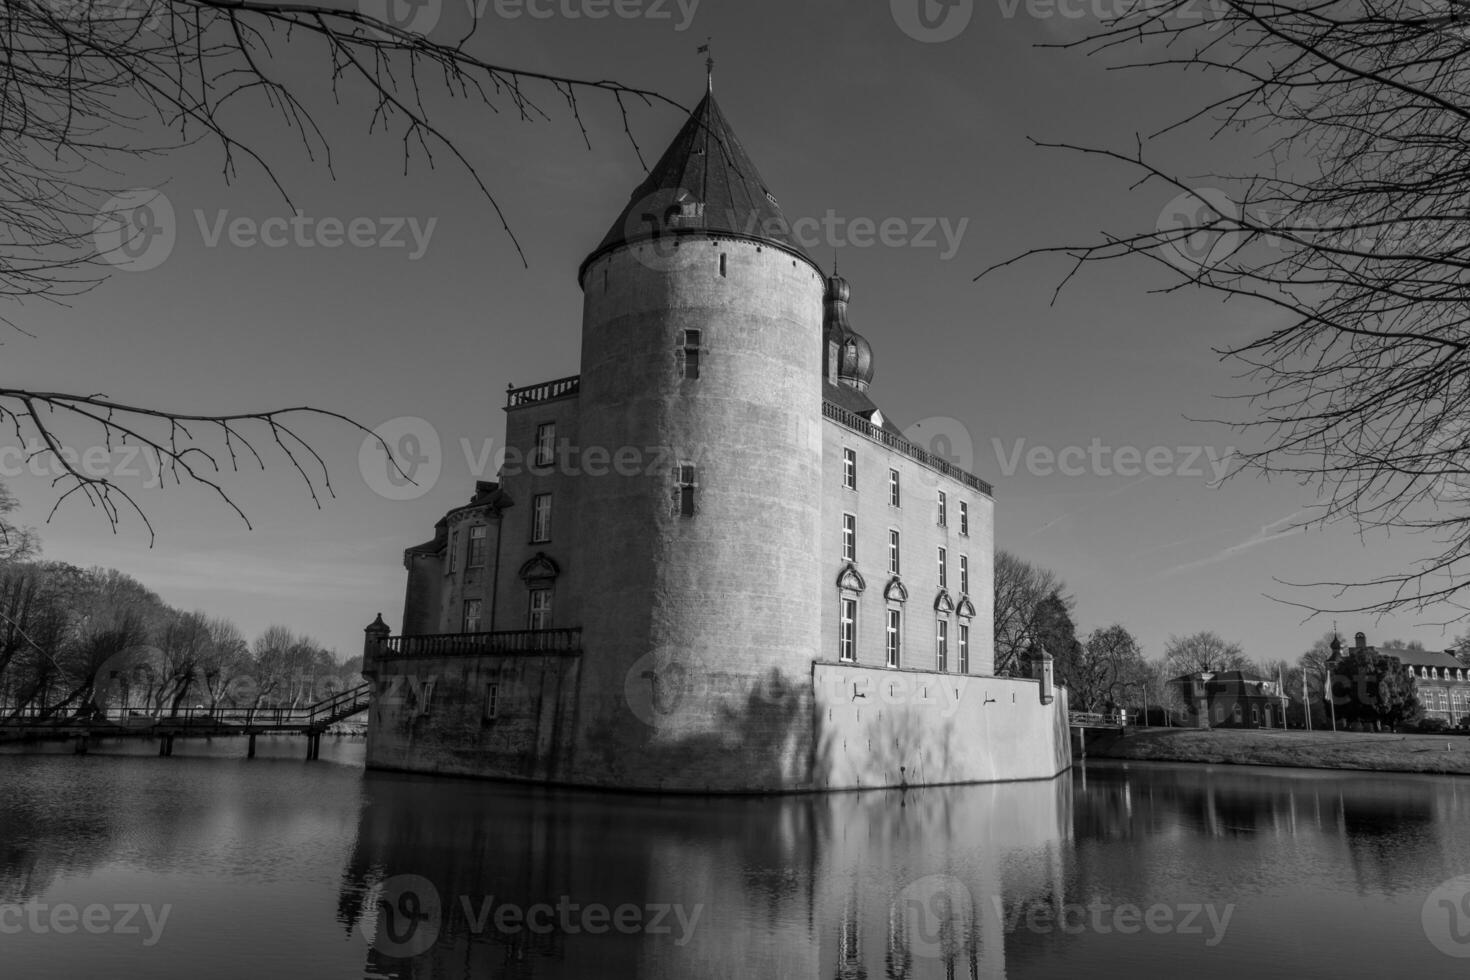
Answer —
120 864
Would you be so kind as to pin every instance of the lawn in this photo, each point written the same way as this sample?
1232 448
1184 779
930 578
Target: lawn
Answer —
1275 747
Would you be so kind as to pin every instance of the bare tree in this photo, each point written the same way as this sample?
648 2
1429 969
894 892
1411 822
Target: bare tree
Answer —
1020 589
183 647
1202 652
1108 665
88 85
1350 234
226 657
16 543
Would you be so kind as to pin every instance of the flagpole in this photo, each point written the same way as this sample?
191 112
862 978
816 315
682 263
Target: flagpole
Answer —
1306 699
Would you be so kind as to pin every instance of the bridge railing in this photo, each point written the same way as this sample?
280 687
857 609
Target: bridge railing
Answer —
316 715
474 644
1096 719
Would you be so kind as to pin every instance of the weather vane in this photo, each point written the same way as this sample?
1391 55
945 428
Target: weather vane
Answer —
709 63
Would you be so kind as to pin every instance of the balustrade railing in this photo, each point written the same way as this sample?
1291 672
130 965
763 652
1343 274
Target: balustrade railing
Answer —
475 644
879 434
545 391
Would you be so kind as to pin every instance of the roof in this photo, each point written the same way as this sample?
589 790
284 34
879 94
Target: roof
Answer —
486 493
858 403
1420 658
704 182
1222 681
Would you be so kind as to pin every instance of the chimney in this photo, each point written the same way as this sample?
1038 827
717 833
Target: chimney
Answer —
1360 641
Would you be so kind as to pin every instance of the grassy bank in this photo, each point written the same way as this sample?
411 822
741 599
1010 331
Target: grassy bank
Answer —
1312 750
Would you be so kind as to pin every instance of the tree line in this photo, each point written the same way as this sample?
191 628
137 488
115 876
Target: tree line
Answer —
82 640
1106 669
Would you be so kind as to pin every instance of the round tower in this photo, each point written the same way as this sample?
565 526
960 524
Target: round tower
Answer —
702 360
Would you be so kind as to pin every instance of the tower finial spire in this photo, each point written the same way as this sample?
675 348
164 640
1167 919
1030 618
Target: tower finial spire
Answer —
709 64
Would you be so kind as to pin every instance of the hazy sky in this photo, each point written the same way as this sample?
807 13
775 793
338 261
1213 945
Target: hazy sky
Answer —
852 121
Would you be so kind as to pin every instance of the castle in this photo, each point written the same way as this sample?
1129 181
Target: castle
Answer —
709 562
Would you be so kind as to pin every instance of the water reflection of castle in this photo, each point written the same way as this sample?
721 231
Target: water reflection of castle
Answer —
879 884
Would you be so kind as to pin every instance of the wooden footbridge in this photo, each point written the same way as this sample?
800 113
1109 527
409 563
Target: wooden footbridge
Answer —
311 721
1078 722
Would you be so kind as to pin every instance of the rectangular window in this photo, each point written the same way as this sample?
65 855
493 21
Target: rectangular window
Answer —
540 615
545 443
964 518
847 640
943 509
849 537
964 575
492 702
426 697
691 354
964 649
943 569
541 517
894 498
476 556
895 629
472 615
941 644
893 552
688 480
849 469
454 553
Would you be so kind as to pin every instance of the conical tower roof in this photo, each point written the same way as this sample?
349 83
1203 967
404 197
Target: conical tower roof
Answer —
704 182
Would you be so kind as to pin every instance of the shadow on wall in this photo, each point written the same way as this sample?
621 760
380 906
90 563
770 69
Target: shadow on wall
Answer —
760 741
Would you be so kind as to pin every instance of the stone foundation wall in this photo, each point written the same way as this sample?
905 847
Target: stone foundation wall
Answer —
878 727
432 715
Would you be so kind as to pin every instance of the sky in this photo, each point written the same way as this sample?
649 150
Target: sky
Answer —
1077 408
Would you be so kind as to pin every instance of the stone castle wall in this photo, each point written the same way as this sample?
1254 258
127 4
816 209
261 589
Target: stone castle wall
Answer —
723 597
